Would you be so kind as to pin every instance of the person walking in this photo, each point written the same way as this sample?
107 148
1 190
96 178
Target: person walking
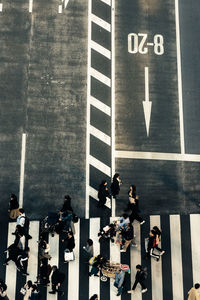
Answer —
140 277
157 233
22 261
119 281
13 207
28 287
70 243
94 297
133 203
115 185
44 249
13 252
67 204
23 221
88 250
128 235
151 240
57 279
193 293
102 193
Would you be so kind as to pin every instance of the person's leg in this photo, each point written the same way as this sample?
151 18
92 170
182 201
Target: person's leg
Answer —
120 290
127 243
154 255
142 284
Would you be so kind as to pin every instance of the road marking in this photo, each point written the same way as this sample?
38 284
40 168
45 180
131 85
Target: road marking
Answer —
100 166
135 259
100 105
23 153
54 252
195 245
180 96
176 257
100 135
73 268
114 257
33 245
102 50
65 3
157 156
100 22
101 77
30 6
94 194
1 7
150 44
156 268
94 282
108 2
147 104
60 9
11 273
113 100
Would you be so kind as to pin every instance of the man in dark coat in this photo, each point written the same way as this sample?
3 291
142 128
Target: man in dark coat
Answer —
57 279
102 193
140 277
70 243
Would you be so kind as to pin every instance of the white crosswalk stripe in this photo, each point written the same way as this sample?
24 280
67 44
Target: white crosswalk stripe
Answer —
155 277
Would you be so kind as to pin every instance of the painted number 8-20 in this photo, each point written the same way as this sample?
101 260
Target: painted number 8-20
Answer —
137 43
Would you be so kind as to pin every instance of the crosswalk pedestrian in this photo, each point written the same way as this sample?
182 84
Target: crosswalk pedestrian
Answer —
170 264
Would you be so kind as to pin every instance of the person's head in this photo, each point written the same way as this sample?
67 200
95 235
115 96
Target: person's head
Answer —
116 176
133 188
197 286
21 211
13 197
94 297
156 229
152 233
54 268
125 216
90 242
67 198
138 267
104 182
29 283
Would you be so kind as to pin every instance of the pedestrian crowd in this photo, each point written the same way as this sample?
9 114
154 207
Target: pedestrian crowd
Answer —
120 233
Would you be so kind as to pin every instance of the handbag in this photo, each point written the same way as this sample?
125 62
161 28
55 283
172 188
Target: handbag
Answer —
23 291
69 256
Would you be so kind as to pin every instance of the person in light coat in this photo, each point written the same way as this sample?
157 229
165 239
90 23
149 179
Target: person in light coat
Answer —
193 293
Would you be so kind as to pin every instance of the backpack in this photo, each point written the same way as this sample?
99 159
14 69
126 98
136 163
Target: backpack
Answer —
75 218
145 273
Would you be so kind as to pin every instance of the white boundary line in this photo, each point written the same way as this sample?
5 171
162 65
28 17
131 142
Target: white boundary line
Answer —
23 154
157 156
30 6
113 99
180 96
87 206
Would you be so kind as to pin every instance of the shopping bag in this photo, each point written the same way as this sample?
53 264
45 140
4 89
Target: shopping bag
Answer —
68 256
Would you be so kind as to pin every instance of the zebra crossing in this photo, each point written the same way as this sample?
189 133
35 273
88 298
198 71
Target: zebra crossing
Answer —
170 278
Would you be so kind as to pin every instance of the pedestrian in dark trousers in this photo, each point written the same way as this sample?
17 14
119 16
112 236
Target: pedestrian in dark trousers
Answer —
57 279
128 235
151 246
23 221
22 261
102 193
158 232
70 243
13 253
88 250
67 204
134 216
19 233
44 273
140 277
3 290
115 185
94 297
13 207
133 203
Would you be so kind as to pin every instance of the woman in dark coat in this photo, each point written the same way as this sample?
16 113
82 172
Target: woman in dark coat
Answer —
102 193
115 185
13 207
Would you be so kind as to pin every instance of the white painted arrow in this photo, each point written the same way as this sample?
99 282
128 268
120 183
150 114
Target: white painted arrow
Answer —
147 104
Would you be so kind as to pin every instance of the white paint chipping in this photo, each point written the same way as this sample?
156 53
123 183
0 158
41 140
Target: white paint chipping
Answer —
100 135
100 166
157 156
101 77
102 50
100 22
100 105
180 91
23 154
